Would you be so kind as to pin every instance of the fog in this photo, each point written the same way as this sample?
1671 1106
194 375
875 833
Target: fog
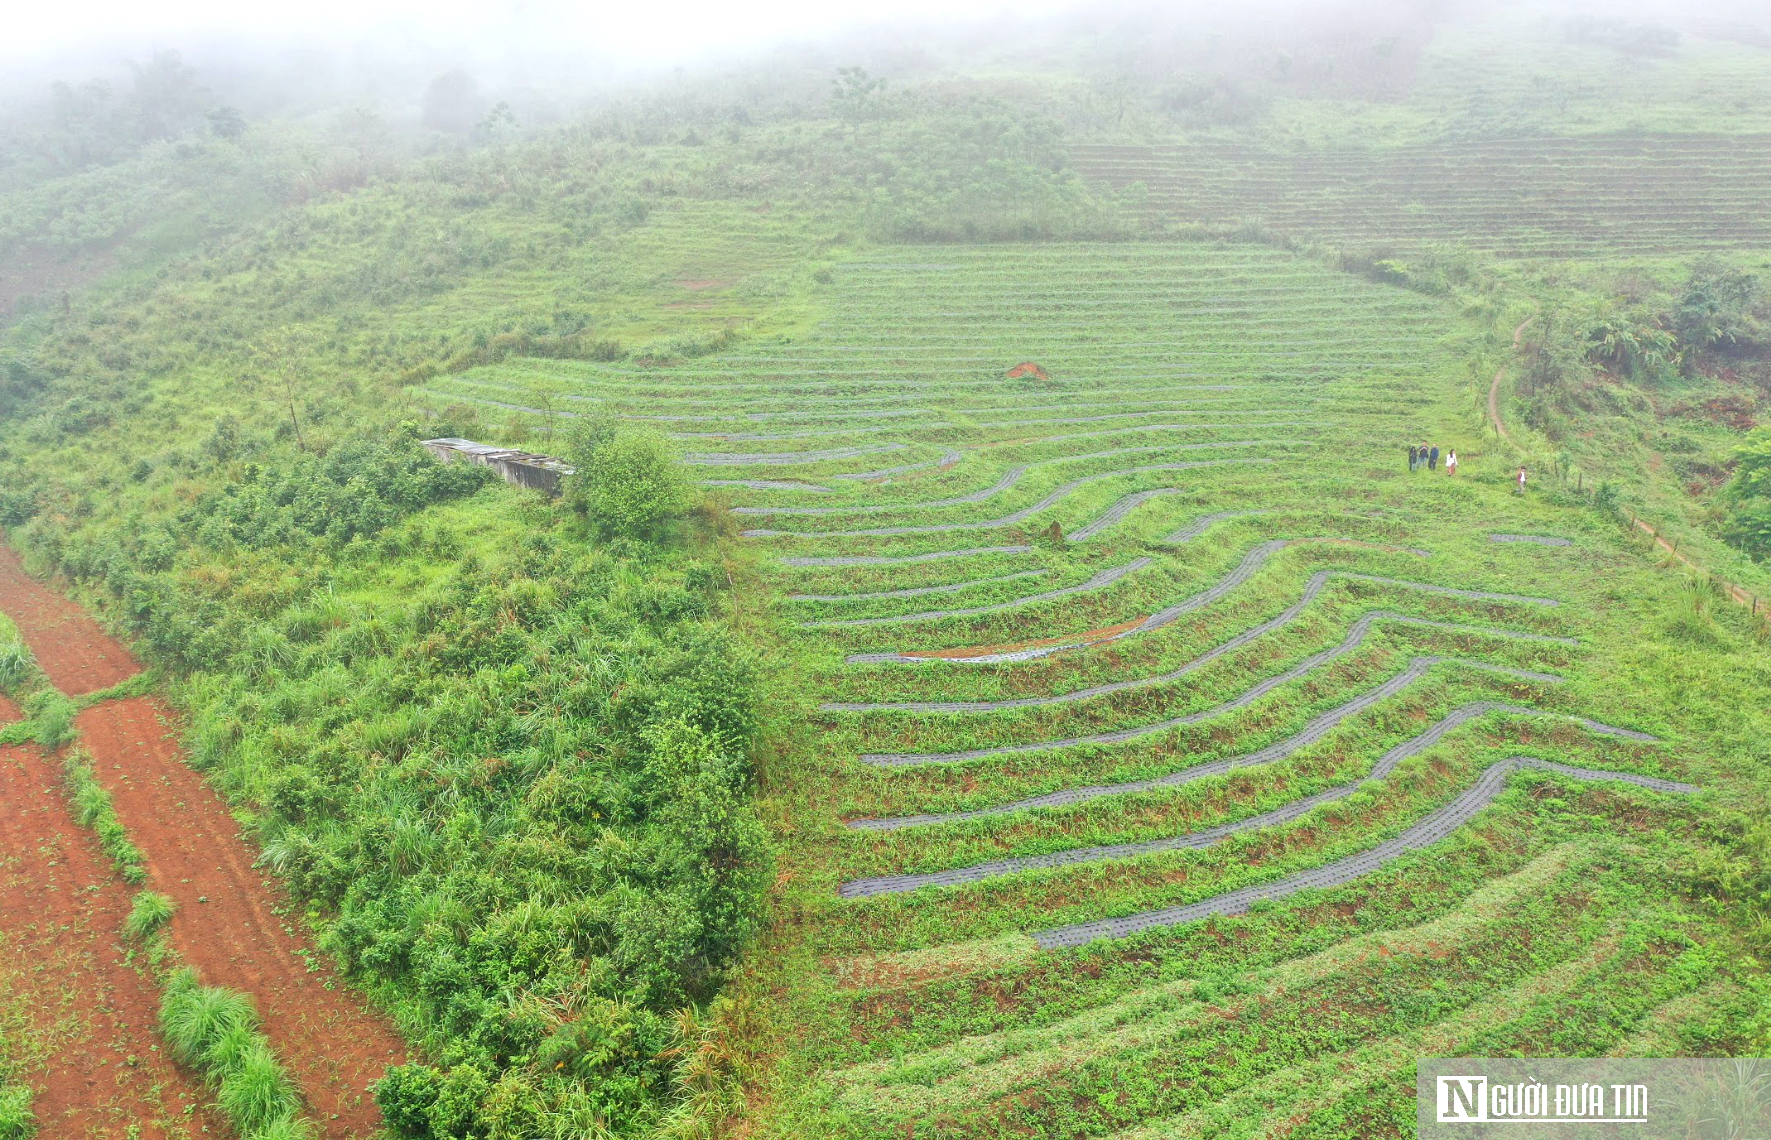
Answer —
578 47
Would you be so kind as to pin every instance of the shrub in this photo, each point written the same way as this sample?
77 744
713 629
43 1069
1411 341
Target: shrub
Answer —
406 1094
628 482
149 913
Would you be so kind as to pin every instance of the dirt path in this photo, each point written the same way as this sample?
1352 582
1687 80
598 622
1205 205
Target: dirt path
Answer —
227 923
1494 388
62 958
72 648
1735 593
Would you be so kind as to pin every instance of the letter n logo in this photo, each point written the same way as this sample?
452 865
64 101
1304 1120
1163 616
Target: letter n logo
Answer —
1463 1099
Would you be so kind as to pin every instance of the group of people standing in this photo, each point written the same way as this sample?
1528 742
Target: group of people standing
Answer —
1428 457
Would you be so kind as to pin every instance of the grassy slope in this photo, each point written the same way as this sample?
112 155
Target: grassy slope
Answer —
918 978
388 293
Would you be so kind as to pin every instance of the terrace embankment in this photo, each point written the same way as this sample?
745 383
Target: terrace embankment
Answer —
228 922
62 960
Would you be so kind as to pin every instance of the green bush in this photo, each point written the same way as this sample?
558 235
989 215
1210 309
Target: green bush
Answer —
627 482
93 809
405 1094
1748 496
254 1090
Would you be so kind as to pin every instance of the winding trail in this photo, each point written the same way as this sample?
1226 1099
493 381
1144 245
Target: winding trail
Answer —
1533 539
1429 831
227 924
1418 667
1118 511
947 458
1009 479
1108 517
1201 524
903 560
1494 388
897 884
783 458
766 485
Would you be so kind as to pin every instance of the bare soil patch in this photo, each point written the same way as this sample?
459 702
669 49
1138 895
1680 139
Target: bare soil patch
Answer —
227 924
75 651
63 957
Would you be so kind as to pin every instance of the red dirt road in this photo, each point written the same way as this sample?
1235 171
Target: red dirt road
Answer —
72 648
62 959
333 1044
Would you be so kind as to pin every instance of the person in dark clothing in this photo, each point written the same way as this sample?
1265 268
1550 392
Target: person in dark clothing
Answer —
1433 459
1413 456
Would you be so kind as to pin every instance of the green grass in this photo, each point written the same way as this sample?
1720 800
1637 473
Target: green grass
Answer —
215 1031
453 724
944 1018
93 809
148 913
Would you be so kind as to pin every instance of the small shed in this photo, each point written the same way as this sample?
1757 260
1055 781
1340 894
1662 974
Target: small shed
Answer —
524 468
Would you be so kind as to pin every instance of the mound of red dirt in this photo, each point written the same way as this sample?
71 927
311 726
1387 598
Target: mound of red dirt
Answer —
1028 368
227 924
76 652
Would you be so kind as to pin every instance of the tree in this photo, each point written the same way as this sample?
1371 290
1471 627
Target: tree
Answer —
499 125
167 99
226 123
279 354
1748 496
452 102
627 481
1718 307
854 96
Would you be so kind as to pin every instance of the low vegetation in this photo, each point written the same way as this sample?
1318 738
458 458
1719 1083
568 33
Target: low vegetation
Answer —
787 766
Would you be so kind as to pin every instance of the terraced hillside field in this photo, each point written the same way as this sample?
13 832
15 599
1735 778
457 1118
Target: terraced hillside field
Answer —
1174 761
1522 197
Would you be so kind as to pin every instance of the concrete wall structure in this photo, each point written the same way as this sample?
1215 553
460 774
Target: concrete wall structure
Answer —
526 469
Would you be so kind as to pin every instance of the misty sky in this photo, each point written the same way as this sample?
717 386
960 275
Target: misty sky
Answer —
651 32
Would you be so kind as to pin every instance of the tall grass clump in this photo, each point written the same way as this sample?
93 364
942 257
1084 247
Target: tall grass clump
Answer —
16 664
215 1031
150 912
93 809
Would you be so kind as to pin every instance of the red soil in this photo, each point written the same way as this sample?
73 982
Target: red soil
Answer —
227 924
62 958
77 654
1027 368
